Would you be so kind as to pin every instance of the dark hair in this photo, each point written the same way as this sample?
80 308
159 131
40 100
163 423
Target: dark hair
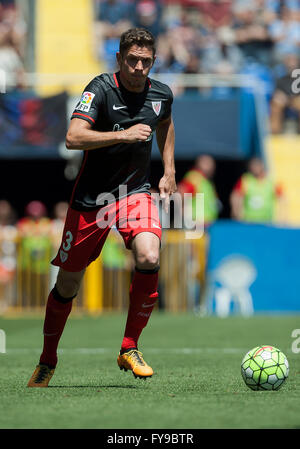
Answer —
137 36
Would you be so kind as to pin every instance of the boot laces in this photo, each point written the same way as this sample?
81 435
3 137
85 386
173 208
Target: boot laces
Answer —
138 357
42 374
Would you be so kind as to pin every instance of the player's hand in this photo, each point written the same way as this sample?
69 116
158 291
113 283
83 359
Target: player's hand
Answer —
136 133
167 186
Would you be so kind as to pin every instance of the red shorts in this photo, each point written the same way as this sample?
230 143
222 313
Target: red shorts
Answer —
85 232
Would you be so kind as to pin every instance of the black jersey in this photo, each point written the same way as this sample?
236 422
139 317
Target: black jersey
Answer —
108 106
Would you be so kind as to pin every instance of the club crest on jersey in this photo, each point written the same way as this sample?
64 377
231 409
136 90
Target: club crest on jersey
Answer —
85 102
156 105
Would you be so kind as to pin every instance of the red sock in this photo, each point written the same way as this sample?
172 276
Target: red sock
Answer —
143 296
56 316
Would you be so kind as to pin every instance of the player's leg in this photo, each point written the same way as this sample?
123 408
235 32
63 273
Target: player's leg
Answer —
143 297
58 308
143 289
82 241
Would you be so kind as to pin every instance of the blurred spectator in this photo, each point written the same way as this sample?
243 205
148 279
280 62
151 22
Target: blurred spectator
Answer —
285 100
8 237
180 41
148 14
10 61
192 67
252 32
115 17
199 180
59 216
12 41
216 13
35 253
219 53
35 213
285 31
8 215
255 195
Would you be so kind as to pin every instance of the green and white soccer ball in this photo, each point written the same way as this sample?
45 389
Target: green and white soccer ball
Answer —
265 368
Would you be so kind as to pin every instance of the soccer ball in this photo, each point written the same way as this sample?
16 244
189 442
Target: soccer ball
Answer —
265 368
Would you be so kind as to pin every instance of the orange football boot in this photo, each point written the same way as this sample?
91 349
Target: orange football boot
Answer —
41 376
133 360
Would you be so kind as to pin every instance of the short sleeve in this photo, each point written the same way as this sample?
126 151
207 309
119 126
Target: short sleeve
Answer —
168 104
90 102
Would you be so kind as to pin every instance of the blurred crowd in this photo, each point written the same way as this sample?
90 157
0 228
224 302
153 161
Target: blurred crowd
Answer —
29 241
12 43
259 38
213 36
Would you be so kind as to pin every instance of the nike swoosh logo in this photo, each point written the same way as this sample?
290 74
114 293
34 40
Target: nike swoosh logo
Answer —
155 226
148 305
115 108
50 335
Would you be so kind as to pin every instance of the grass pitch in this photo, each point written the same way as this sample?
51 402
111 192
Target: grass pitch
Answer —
197 382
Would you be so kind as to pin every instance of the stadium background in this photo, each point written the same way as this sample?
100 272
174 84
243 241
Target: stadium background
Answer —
223 86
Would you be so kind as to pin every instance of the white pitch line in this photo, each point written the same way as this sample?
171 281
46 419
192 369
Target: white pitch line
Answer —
91 351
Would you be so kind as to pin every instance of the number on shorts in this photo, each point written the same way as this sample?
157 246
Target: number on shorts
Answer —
67 244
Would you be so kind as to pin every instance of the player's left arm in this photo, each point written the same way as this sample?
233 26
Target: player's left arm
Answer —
165 136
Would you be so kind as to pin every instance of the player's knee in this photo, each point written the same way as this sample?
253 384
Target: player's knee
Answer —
68 283
147 260
67 287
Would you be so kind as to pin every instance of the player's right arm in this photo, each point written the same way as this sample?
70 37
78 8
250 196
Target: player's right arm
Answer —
82 136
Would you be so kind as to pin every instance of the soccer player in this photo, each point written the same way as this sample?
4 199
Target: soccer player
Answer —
114 124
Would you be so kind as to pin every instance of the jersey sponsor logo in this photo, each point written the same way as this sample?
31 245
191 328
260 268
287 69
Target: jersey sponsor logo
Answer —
85 102
156 106
115 108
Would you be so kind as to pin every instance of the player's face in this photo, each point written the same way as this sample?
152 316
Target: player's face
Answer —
135 66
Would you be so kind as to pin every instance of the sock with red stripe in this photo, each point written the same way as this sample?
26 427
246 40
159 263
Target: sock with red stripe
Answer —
57 312
143 297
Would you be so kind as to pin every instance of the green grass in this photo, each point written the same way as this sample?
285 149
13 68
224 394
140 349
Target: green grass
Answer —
197 382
